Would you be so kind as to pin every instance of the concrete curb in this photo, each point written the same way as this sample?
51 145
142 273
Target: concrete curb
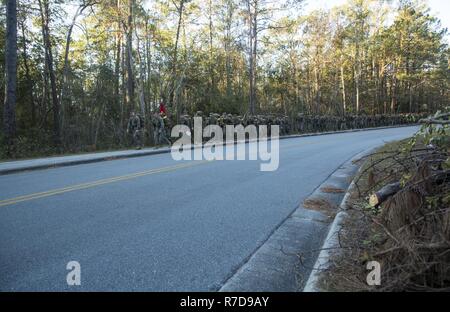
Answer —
54 162
331 243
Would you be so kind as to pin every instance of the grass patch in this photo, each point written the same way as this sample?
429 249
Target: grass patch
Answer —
321 205
332 190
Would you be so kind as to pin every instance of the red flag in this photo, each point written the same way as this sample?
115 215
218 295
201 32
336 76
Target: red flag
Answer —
162 109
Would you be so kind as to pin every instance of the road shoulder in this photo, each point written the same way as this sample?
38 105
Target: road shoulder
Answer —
285 261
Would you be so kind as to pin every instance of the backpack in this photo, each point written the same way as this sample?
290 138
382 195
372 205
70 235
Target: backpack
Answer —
141 121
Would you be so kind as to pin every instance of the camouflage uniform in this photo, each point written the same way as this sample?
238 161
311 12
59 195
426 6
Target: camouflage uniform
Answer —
135 127
162 132
155 124
159 132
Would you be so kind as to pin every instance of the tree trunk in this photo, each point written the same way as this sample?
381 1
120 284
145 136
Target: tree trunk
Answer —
141 80
316 89
387 191
211 60
129 59
28 75
175 60
255 55
148 63
229 18
117 62
344 103
78 12
357 90
44 10
253 31
394 93
9 110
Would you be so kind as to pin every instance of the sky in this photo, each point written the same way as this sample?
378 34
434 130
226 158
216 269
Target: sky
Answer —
439 8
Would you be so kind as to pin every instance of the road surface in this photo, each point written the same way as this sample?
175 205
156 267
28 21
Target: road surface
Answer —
155 224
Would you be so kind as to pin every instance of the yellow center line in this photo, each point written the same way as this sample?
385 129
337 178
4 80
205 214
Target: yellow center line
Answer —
87 185
82 186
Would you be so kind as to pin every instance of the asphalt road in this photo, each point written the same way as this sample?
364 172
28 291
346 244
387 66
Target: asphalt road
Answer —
155 224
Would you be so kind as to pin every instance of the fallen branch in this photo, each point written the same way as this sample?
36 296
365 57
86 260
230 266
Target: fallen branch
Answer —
437 120
387 191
